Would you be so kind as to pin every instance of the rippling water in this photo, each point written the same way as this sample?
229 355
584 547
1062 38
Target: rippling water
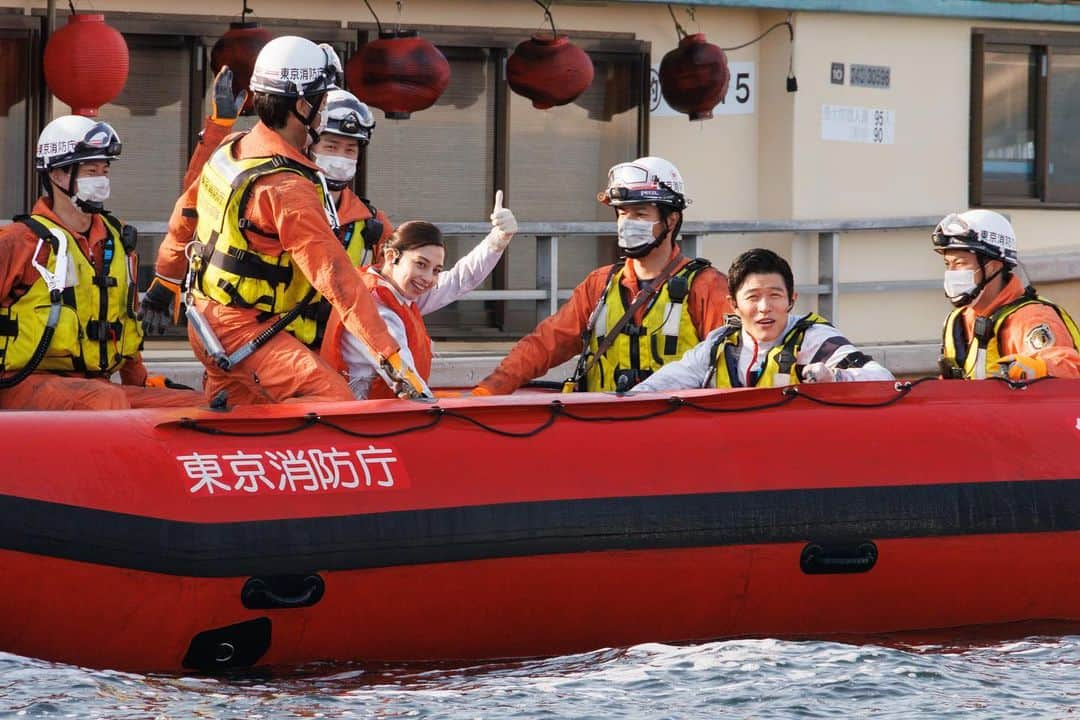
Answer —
1035 677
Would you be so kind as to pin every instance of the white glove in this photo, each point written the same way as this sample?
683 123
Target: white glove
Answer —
504 221
818 372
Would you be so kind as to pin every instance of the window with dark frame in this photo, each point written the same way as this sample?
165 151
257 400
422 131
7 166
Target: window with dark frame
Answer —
1025 102
20 108
158 127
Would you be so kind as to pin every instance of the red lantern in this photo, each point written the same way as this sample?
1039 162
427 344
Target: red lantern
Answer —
86 63
694 77
399 73
549 70
238 48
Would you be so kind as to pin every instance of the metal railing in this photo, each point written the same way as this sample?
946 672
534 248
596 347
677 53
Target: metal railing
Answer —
827 289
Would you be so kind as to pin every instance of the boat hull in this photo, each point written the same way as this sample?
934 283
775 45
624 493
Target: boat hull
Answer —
151 541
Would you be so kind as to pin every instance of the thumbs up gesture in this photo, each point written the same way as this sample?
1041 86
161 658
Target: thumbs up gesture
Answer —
503 222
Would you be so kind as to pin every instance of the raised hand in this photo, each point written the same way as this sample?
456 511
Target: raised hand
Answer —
503 220
225 107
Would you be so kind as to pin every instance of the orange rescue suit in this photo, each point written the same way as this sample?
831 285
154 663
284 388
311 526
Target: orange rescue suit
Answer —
558 338
415 332
287 207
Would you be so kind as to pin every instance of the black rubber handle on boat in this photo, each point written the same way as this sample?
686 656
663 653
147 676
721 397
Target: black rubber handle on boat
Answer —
834 558
282 592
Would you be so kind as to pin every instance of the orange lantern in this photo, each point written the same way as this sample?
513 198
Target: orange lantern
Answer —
400 73
549 70
694 77
238 48
86 63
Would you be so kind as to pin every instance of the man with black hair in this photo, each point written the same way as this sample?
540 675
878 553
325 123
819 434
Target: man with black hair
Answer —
764 345
265 226
628 319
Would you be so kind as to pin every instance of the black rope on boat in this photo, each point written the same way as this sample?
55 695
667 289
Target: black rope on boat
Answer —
557 409
309 420
437 415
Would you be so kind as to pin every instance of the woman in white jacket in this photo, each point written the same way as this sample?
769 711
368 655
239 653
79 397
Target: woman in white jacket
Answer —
409 284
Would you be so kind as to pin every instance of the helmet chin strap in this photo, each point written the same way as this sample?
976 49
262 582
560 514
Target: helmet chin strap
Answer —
310 118
71 191
971 295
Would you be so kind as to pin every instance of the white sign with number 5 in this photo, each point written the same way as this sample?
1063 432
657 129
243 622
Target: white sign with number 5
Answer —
739 100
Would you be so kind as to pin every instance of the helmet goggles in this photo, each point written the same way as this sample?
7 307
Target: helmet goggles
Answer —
100 142
630 184
957 233
351 120
954 231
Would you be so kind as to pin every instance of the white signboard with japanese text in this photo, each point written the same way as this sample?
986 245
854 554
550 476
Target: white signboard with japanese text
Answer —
293 471
739 100
843 123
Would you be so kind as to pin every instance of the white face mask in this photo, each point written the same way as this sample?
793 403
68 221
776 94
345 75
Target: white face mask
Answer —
635 235
93 189
958 283
335 167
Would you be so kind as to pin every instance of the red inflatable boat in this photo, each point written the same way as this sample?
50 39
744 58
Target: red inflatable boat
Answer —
535 524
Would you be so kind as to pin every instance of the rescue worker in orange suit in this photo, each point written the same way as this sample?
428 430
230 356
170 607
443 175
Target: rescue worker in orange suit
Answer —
1000 325
628 319
362 228
266 248
68 298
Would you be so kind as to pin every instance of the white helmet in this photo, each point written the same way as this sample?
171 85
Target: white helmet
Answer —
645 180
348 117
73 139
295 67
983 232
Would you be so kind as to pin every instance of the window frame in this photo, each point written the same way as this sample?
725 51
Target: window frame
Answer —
500 42
1044 44
14 23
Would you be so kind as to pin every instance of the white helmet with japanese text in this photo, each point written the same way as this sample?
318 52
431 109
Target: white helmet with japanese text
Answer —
983 232
67 142
295 67
72 139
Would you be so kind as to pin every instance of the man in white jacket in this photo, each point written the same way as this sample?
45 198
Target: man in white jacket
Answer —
764 345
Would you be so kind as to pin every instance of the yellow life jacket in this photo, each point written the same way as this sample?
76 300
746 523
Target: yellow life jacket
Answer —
665 333
232 273
360 238
958 360
779 362
97 330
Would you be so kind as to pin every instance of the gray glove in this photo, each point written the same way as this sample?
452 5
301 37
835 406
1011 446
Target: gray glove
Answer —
226 107
160 306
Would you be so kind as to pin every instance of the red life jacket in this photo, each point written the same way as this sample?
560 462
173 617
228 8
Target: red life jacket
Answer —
415 333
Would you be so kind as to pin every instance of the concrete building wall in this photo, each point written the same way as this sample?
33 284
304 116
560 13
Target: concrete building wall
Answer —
773 163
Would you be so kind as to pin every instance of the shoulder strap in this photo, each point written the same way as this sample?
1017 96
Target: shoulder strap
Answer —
587 332
129 236
731 326
604 344
788 354
38 229
373 226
